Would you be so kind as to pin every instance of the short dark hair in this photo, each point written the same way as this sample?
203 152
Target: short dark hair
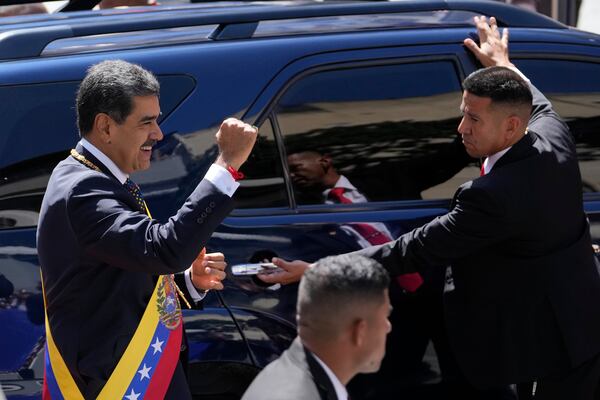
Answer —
109 87
502 85
340 281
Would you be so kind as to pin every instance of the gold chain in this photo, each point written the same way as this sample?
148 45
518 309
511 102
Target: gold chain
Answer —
84 160
75 154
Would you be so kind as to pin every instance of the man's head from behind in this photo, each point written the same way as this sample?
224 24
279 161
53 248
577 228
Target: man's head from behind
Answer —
496 106
117 110
342 312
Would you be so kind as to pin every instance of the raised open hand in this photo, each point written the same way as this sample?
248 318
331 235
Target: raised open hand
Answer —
493 47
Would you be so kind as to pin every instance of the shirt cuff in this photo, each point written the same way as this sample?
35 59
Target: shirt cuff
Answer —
222 179
196 296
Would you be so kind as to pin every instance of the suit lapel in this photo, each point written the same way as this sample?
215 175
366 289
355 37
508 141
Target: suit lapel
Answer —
324 384
522 149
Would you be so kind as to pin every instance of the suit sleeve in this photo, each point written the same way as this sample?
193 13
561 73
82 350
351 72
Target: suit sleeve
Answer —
546 122
478 219
109 230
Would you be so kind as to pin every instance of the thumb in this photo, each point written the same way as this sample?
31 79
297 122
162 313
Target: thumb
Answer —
471 45
280 263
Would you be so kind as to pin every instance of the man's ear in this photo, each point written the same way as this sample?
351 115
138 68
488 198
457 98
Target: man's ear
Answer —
102 125
513 125
359 332
325 162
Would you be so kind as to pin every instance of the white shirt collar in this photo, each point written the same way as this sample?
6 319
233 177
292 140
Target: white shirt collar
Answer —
342 182
103 158
489 162
340 390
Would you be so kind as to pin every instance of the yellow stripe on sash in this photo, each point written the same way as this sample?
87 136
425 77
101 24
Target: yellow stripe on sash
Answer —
64 379
127 367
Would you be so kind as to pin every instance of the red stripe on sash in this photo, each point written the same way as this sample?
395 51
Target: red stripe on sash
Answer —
161 378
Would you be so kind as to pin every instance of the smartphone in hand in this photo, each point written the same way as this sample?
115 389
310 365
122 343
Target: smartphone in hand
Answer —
253 268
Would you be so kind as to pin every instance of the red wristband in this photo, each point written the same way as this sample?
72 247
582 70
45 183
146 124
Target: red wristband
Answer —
237 175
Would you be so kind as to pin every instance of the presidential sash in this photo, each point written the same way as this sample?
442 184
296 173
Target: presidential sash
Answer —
149 361
145 369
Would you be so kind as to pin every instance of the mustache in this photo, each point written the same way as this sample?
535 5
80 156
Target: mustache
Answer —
150 142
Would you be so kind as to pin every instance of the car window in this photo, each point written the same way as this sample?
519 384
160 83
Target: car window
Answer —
576 98
385 132
180 161
39 128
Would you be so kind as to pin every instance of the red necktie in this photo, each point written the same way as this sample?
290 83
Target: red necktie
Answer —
409 282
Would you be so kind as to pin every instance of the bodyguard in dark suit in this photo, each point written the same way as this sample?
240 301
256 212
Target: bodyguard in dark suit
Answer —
102 255
342 314
522 297
522 293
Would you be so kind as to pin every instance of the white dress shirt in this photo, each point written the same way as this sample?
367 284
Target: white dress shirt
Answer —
352 194
489 162
216 175
340 390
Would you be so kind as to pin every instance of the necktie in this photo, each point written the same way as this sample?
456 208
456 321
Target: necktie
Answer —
409 282
136 193
368 232
482 170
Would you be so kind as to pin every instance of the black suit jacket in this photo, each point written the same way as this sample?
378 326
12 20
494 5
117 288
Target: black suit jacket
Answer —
296 374
526 294
100 257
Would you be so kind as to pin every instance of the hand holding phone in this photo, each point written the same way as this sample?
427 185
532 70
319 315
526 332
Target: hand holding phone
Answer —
253 268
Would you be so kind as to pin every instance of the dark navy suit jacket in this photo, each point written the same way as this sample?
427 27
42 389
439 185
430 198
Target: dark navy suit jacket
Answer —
524 298
100 257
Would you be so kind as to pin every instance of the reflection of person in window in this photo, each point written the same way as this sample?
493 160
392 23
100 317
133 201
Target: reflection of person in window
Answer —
314 176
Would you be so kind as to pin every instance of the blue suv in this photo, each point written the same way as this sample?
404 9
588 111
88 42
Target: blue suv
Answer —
370 89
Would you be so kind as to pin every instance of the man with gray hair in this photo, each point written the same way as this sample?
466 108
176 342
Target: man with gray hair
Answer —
113 276
342 315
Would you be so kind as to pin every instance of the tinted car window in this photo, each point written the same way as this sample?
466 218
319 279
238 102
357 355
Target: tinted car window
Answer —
180 162
46 112
389 129
576 98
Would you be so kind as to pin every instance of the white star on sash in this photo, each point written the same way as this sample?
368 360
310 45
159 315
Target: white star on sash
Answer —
144 372
170 301
157 346
133 395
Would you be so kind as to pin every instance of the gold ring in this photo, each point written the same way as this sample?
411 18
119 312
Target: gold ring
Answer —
255 127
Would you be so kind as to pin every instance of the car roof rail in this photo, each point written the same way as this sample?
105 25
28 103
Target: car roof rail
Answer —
241 22
71 5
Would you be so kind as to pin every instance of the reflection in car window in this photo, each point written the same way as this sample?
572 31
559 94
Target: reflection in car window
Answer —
180 162
385 132
39 127
576 98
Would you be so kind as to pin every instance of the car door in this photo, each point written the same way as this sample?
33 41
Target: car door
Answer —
385 120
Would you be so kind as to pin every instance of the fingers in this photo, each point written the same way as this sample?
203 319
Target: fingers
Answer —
471 45
274 277
482 28
216 285
281 263
289 272
505 37
215 261
236 140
